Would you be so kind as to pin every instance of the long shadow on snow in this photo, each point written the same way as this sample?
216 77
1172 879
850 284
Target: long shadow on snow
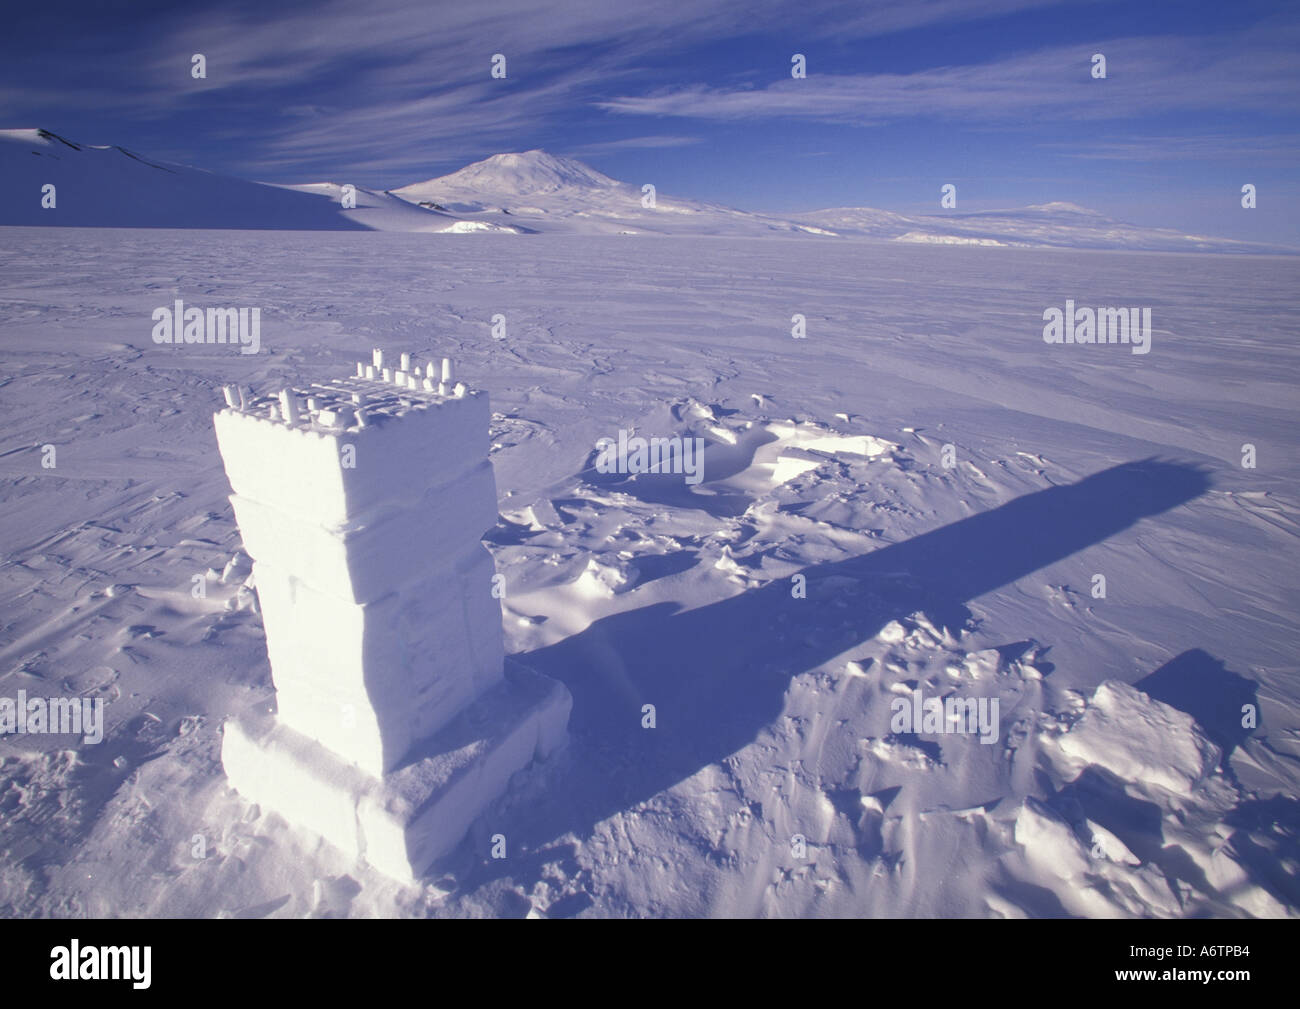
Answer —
717 674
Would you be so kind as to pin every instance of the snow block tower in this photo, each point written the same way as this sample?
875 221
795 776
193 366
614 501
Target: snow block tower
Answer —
398 718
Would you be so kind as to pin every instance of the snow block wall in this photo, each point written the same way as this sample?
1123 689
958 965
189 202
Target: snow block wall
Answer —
363 503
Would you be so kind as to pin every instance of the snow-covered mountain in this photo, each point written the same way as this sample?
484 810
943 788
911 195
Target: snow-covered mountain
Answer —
523 174
111 187
538 191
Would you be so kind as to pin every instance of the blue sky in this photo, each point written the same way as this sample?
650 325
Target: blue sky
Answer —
994 96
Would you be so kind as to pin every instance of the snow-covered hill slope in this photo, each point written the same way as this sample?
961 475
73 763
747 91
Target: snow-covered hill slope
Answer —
111 187
1059 225
378 211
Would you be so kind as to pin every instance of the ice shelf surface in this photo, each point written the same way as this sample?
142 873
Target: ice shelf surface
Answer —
1200 614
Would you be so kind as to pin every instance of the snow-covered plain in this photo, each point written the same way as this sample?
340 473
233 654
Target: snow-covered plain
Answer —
1122 781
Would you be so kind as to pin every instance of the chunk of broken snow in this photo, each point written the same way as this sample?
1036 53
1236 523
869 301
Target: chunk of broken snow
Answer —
892 633
701 411
542 515
1227 875
982 665
1074 866
1140 740
727 562
790 464
931 633
894 751
1050 845
605 578
237 568
1106 845
815 438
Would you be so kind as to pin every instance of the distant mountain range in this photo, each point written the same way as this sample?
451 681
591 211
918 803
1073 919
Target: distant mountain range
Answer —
524 193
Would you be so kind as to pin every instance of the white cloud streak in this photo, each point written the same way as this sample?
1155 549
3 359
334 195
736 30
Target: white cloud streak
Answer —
388 84
1255 70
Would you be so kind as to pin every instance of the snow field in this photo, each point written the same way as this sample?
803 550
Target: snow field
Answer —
773 712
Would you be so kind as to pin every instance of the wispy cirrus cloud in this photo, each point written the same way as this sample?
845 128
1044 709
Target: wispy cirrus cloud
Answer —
409 42
1164 147
1256 70
646 143
391 83
408 135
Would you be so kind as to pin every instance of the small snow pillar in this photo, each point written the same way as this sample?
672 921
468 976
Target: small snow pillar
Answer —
361 370
447 371
428 370
388 375
289 406
377 357
406 363
460 390
340 416
370 372
229 393
312 405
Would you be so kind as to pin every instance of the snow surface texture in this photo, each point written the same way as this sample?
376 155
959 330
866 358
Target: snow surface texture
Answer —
1122 782
507 194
